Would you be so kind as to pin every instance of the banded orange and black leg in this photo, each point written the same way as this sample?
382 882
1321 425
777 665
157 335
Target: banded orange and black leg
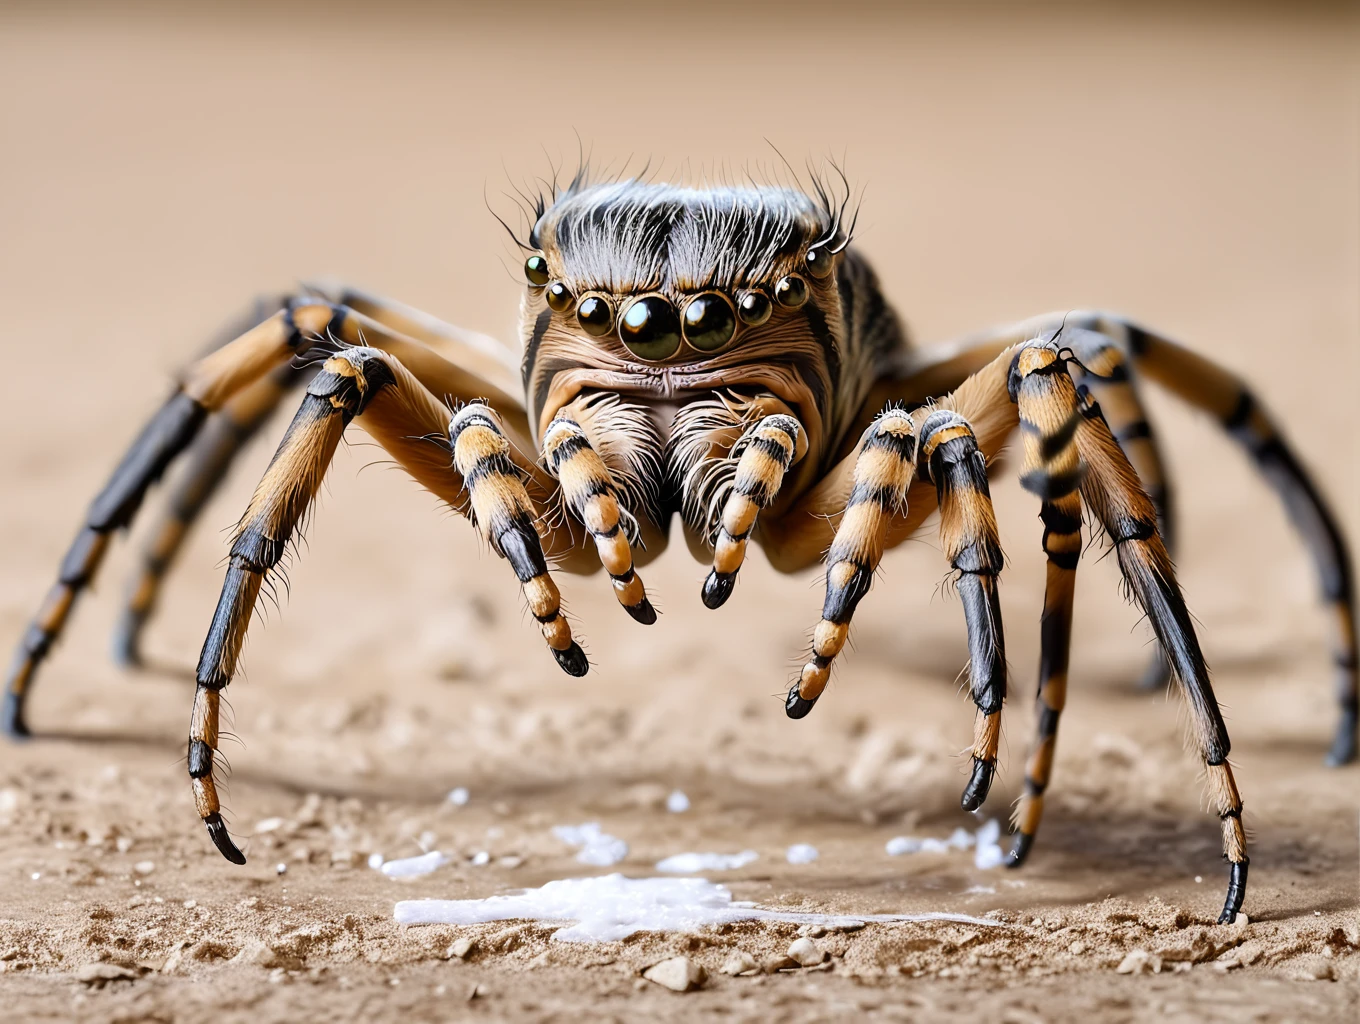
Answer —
336 394
764 454
206 387
949 455
1051 470
590 496
883 471
209 459
505 515
1112 492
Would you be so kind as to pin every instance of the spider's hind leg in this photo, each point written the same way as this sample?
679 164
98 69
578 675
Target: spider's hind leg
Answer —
209 460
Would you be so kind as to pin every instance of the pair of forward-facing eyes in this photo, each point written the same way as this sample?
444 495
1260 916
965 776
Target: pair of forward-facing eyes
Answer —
652 328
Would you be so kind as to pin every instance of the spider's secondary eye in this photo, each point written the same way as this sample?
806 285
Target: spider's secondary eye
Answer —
536 270
754 308
650 328
820 263
791 291
559 297
596 315
709 321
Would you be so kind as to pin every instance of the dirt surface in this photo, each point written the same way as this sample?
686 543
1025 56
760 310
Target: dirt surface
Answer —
1198 172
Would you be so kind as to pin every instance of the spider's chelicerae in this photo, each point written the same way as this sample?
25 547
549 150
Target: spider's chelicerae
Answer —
722 355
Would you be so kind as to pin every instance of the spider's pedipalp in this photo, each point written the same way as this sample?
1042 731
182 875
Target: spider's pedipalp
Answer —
764 454
883 470
948 453
505 515
589 493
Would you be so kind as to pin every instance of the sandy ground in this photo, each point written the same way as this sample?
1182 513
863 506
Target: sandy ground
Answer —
1196 171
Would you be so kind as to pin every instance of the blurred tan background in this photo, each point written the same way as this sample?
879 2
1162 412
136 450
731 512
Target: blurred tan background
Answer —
1196 167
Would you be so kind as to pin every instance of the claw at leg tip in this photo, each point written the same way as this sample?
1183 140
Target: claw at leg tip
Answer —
975 793
643 612
573 660
1019 850
718 588
796 706
126 648
12 718
217 831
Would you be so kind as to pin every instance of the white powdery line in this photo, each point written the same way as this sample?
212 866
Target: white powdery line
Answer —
612 907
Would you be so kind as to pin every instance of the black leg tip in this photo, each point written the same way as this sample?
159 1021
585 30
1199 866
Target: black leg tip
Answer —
1020 847
573 660
12 718
642 612
795 706
718 588
127 641
217 831
1237 892
975 793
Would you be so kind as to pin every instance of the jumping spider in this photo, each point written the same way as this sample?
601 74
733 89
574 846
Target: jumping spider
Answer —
723 355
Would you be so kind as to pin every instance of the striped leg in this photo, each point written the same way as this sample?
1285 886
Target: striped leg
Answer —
1111 490
883 471
764 453
949 454
1102 367
209 460
208 384
503 512
589 492
1051 469
338 393
1213 389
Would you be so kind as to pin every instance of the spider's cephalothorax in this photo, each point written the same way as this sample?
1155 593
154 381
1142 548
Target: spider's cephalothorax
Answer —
725 355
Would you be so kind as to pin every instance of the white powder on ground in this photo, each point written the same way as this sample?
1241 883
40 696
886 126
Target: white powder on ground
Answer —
411 867
458 796
613 907
677 802
801 853
597 848
692 863
986 843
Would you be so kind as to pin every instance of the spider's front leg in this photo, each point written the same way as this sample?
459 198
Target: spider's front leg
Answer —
889 457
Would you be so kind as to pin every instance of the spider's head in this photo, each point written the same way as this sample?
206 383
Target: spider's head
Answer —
666 293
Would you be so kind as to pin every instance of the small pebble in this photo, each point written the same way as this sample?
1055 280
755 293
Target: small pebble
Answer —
461 948
806 952
801 853
677 802
679 974
739 963
375 861
268 825
481 858
775 964
280 868
190 904
458 796
1199 879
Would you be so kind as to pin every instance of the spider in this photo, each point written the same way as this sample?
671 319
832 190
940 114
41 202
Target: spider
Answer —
725 356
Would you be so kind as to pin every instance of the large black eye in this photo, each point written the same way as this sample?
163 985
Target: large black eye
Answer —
536 270
596 315
791 291
754 308
650 328
820 262
709 321
559 297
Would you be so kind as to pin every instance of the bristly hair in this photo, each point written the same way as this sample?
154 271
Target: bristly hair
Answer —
628 234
